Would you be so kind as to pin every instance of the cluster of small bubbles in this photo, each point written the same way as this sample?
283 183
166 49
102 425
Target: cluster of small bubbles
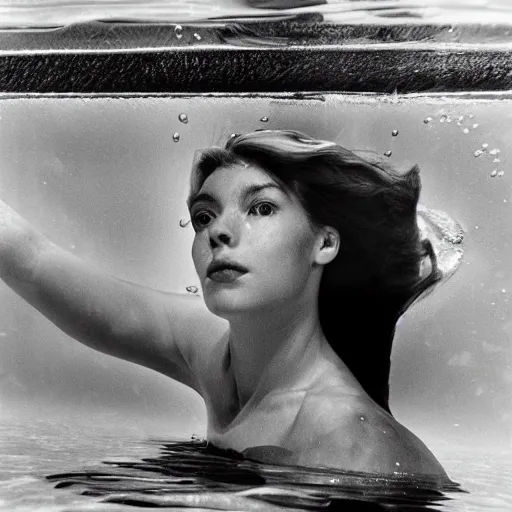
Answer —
494 151
394 133
197 36
183 118
176 137
427 120
184 223
192 289
496 161
178 31
387 153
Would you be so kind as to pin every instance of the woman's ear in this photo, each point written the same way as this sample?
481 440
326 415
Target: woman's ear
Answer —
328 246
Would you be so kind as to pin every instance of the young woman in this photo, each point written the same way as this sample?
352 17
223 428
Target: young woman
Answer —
307 255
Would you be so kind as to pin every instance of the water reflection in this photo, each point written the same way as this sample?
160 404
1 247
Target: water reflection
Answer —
197 474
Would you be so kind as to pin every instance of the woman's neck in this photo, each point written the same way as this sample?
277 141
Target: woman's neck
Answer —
279 351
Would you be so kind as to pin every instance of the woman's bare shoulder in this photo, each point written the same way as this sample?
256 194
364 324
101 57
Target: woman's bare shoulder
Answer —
351 432
196 331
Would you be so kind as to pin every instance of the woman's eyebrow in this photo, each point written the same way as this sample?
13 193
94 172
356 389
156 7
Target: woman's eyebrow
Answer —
246 192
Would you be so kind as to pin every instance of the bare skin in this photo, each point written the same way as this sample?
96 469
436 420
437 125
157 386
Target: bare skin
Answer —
253 349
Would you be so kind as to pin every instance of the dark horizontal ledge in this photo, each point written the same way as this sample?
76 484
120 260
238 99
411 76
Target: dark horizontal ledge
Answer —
232 70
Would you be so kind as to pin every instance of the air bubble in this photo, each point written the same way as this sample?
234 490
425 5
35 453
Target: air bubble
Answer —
501 173
475 125
443 118
184 223
471 116
485 145
461 118
496 161
503 290
478 153
233 135
387 153
494 151
197 36
362 418
176 137
494 173
465 130
178 31
191 289
264 119
450 30
448 119
183 118
394 133
427 120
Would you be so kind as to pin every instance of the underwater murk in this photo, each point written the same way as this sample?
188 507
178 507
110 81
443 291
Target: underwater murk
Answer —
106 177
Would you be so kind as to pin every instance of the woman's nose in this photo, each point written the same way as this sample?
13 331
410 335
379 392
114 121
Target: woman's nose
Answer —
222 233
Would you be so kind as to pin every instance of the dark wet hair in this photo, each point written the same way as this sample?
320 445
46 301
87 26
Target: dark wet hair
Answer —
375 276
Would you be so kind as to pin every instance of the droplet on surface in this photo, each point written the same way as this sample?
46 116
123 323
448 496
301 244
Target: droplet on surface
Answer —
394 133
184 223
264 119
191 289
197 36
494 173
478 153
176 137
183 118
427 120
178 31
387 153
494 151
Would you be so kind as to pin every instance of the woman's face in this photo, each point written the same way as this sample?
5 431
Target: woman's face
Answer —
241 214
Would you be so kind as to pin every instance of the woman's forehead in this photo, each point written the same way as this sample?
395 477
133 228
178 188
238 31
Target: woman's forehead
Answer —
240 173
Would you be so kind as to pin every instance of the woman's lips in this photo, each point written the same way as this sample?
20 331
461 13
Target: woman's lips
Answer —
227 275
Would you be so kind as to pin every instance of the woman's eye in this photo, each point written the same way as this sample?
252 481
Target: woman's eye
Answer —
264 209
201 219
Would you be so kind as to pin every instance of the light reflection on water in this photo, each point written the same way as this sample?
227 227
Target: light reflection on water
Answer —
187 474
52 13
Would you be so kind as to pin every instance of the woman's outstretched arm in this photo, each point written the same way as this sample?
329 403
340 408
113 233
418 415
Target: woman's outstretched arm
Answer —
155 329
